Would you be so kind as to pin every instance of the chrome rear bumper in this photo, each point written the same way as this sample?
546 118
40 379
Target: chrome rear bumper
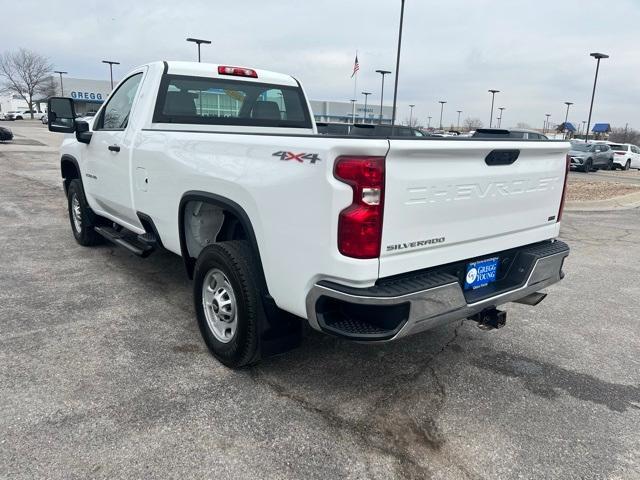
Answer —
443 300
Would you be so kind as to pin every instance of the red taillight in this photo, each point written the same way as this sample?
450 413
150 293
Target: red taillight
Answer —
360 224
564 189
237 71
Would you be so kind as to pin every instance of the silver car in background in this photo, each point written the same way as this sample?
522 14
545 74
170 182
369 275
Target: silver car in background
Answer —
590 156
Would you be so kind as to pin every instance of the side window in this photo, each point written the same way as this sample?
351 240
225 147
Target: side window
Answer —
635 149
115 114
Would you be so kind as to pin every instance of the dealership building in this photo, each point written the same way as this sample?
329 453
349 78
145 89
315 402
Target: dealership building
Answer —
343 112
90 94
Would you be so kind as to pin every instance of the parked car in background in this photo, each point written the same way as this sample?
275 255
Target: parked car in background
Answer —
5 115
368 130
24 115
333 128
44 119
5 134
590 156
625 156
385 131
515 133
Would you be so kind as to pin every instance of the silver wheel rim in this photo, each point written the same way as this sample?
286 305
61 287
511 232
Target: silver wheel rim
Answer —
76 213
219 305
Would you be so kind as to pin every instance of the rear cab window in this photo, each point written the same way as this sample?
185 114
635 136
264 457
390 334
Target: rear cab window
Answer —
215 101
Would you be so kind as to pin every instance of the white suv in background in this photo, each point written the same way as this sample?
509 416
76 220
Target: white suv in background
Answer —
625 156
24 115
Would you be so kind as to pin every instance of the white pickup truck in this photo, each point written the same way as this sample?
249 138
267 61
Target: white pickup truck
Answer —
369 239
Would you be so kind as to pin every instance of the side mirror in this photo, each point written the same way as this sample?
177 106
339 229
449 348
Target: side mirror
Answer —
83 133
61 116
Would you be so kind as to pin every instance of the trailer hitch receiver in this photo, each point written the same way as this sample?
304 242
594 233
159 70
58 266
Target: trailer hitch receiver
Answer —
490 318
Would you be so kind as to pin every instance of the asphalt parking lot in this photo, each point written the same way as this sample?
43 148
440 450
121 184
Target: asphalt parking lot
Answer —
103 373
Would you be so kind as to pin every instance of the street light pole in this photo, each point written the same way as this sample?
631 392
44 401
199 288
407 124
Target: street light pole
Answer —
546 124
459 112
441 102
61 87
411 113
199 41
566 117
383 73
429 122
364 116
502 109
493 96
395 88
598 57
111 64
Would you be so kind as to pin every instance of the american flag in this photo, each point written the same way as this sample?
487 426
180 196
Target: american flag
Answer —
356 66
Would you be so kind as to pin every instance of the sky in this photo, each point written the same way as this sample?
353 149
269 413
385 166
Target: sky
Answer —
536 52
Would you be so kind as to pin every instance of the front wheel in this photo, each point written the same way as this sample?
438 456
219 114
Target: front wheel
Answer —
588 165
227 300
627 165
610 165
81 216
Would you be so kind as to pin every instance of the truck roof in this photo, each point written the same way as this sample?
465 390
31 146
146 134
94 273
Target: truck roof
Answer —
211 70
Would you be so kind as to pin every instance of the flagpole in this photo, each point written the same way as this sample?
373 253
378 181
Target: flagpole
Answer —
355 89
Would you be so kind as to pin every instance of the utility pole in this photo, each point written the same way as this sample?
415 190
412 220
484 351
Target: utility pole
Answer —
61 87
441 102
199 41
493 97
546 123
598 57
111 64
383 73
395 89
502 109
364 116
566 118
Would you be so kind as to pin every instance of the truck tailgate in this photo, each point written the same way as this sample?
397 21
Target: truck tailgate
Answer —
445 201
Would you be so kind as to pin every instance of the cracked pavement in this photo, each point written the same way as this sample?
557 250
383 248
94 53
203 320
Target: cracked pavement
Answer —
103 373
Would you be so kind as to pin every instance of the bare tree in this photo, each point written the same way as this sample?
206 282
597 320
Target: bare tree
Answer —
472 123
49 88
624 135
24 73
411 122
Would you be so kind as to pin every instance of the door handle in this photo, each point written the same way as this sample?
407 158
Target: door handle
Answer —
114 148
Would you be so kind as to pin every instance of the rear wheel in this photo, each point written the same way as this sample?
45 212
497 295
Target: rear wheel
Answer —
587 166
81 216
627 165
227 300
610 164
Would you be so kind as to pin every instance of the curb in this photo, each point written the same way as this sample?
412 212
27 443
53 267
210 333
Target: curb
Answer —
624 202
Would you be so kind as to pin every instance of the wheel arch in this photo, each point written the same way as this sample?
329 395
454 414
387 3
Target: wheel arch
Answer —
227 205
69 169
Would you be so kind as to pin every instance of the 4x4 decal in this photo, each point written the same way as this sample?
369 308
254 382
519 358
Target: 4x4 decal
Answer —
298 157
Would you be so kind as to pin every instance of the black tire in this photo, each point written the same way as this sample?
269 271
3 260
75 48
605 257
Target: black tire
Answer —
627 166
610 165
236 261
588 165
83 233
